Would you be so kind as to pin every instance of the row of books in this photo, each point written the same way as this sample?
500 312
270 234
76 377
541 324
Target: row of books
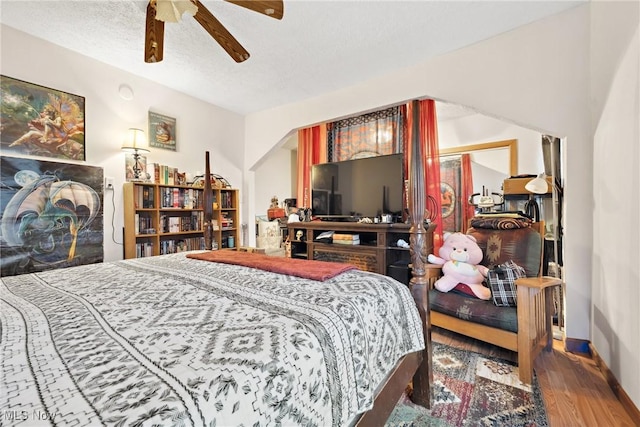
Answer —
183 198
346 238
226 200
225 221
177 224
144 249
143 224
143 197
165 175
182 245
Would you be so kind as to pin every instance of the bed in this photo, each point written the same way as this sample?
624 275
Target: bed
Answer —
175 340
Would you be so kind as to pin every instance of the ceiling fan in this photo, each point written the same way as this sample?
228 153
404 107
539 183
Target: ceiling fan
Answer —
161 11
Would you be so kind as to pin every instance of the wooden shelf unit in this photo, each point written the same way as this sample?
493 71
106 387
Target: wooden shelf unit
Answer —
160 219
377 251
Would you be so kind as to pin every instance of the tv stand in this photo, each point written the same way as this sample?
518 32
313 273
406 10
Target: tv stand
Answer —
377 251
339 218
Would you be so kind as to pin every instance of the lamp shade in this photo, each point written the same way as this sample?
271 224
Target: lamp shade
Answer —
136 140
538 185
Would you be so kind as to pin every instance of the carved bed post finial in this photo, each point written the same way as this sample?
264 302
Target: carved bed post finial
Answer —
207 226
423 379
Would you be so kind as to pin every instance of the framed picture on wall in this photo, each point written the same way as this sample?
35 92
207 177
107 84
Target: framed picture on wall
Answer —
162 131
40 121
51 215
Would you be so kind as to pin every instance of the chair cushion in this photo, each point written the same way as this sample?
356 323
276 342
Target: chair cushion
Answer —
474 310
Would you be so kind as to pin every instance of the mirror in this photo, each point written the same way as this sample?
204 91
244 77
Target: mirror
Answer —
491 164
501 156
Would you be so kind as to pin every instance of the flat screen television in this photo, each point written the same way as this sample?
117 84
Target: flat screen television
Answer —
364 187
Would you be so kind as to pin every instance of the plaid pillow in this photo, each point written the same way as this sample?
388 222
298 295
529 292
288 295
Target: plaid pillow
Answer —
502 283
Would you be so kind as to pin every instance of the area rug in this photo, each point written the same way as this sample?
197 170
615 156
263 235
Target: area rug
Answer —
471 389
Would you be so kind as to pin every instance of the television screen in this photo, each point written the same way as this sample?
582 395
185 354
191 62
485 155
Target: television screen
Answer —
364 187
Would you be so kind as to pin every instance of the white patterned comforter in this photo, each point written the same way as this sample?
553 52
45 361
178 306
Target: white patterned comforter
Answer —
174 341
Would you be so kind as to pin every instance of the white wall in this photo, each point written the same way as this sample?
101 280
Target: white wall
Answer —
504 77
273 178
200 126
479 129
616 195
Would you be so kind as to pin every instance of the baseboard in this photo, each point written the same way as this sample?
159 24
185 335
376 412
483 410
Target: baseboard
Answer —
574 345
618 391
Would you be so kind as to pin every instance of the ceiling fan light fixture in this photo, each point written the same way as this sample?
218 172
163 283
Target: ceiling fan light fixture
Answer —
172 10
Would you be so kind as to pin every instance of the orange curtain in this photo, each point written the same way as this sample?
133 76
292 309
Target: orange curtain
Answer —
312 149
428 137
466 190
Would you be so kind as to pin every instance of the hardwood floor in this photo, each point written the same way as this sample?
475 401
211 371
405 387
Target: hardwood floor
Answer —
575 391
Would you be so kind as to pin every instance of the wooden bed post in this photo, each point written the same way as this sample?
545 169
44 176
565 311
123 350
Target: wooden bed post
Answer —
418 285
207 226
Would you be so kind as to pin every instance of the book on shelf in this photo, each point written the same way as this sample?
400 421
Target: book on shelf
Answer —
346 242
164 175
144 249
345 236
181 245
153 170
143 225
227 200
143 197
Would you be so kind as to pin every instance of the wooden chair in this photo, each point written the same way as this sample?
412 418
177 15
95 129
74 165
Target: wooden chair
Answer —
525 329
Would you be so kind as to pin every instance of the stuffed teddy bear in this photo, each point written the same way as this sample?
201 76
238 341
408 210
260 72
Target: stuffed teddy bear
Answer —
459 257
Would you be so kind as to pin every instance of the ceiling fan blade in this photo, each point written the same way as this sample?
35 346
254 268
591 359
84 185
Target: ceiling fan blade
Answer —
154 35
272 8
220 33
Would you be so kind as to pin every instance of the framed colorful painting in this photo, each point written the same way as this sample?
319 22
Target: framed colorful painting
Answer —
51 215
40 121
162 131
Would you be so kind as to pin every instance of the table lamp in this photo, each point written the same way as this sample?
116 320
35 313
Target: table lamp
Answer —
136 143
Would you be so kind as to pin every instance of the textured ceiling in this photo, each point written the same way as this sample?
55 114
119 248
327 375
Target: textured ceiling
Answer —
318 47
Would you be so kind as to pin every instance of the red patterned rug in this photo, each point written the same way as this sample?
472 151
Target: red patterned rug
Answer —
473 390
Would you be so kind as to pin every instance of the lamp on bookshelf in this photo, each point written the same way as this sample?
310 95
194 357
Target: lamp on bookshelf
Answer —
136 143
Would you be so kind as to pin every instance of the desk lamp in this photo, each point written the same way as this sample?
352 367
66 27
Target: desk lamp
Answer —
537 185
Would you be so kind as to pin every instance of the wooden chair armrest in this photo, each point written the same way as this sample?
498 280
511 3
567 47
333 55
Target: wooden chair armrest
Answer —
432 273
538 282
433 267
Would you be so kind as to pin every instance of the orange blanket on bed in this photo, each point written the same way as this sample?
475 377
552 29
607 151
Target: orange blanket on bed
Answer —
308 269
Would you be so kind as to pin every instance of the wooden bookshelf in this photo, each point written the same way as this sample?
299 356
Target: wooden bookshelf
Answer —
161 219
